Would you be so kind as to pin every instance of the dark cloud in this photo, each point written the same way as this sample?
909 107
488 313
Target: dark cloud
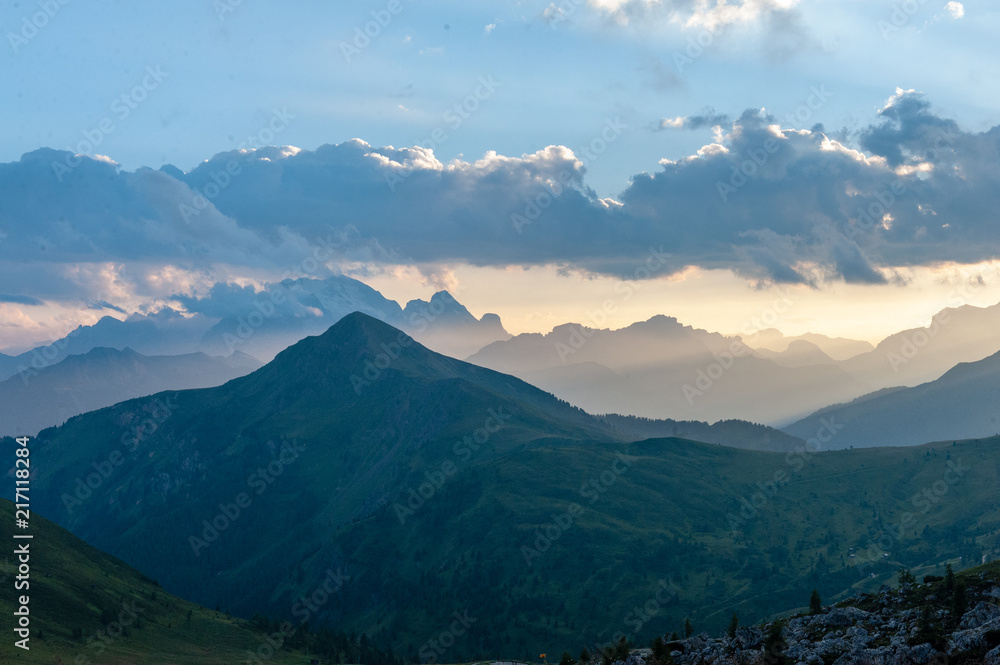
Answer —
773 204
20 300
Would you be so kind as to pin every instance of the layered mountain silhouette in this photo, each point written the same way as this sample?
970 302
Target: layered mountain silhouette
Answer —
662 368
35 399
261 324
440 487
962 404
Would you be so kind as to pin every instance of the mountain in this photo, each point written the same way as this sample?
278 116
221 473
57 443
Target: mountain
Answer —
87 606
732 433
799 353
662 369
962 404
954 335
34 400
232 318
837 348
445 325
163 333
447 490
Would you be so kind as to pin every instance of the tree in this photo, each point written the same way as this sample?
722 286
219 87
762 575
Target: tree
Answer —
961 603
949 579
815 603
585 655
734 623
688 628
622 649
566 659
774 645
906 577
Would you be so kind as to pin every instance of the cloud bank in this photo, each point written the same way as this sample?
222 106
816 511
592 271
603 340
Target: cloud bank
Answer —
770 202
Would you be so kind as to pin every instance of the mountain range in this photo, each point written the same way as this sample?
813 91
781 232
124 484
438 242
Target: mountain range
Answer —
440 487
36 399
962 404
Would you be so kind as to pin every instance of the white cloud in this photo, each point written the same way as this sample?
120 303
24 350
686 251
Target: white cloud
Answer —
955 9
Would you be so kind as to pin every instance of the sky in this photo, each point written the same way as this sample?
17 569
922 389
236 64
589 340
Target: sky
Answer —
584 160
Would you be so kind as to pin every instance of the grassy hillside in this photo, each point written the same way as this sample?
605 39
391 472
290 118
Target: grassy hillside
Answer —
78 593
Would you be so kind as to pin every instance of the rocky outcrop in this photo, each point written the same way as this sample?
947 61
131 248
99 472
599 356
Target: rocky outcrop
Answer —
917 624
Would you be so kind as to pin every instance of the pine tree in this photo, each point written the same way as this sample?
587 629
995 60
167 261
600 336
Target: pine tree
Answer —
961 603
949 579
688 628
815 603
585 655
734 623
774 645
566 659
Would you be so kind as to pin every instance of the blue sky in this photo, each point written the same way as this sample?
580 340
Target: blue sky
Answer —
558 81
524 76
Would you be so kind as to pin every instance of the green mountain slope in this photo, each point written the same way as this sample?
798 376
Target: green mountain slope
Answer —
447 493
88 607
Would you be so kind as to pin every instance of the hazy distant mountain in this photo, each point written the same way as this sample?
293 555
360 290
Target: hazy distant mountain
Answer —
837 348
962 404
662 369
446 326
101 377
437 484
911 357
799 353
232 318
163 333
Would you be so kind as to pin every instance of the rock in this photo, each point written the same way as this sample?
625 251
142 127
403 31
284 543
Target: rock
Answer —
981 614
993 657
749 638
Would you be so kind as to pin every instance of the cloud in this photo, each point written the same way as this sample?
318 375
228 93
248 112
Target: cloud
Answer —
707 118
692 13
19 300
766 200
955 9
